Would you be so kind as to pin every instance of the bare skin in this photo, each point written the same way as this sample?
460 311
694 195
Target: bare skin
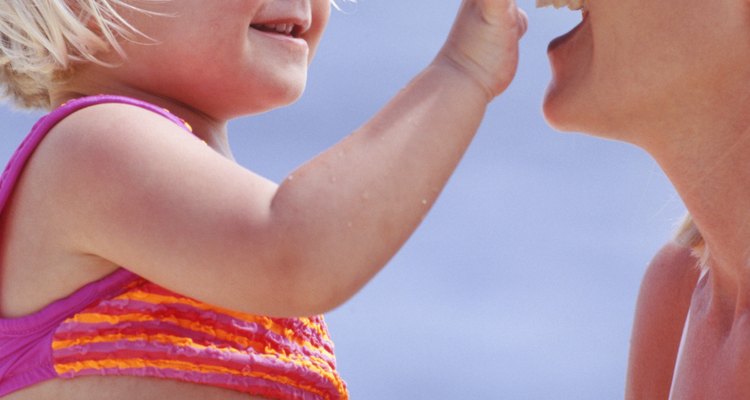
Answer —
672 78
124 387
716 353
140 192
661 312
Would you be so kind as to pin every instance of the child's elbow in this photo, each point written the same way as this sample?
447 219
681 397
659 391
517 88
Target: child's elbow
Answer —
309 301
305 289
311 298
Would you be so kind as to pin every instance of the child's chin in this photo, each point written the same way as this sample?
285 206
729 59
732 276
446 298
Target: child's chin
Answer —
273 102
290 95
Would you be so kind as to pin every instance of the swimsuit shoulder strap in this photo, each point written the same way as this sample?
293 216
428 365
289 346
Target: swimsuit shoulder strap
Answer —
15 166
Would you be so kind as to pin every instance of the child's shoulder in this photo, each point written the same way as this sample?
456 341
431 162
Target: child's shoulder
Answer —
103 148
116 118
113 132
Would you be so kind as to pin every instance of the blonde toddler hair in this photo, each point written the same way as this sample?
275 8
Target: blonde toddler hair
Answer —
41 40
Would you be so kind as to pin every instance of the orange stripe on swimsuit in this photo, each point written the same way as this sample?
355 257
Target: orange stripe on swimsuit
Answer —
148 331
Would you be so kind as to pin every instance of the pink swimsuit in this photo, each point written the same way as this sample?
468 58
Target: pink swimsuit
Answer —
125 325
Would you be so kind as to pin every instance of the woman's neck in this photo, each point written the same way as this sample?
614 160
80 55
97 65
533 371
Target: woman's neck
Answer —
707 158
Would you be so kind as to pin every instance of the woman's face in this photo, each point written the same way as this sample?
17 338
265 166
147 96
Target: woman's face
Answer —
635 62
227 57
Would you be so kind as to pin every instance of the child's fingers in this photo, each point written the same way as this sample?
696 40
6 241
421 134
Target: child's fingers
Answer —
523 22
507 11
484 41
521 19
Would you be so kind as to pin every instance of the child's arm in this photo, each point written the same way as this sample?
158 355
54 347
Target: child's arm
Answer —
661 311
389 172
196 223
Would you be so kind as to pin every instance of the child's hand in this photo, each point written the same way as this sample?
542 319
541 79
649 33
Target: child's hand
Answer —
483 43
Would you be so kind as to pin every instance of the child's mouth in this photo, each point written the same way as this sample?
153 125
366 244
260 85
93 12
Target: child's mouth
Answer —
290 30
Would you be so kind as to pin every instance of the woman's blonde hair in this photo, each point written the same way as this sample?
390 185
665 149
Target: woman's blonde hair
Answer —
689 236
40 40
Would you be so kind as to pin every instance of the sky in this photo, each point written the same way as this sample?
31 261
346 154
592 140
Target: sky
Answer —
522 280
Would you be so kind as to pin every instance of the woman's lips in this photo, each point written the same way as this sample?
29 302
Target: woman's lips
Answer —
559 41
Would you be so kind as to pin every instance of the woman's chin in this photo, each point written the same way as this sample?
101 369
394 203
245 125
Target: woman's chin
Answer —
574 105
573 114
559 112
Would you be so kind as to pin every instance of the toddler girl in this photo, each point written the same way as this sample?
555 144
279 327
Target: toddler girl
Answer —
131 244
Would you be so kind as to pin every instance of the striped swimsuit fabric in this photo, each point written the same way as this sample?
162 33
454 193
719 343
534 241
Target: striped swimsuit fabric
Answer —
124 325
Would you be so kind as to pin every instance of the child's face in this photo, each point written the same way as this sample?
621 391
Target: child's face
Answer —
225 58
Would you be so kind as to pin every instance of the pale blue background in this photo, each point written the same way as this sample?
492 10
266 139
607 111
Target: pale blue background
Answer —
521 282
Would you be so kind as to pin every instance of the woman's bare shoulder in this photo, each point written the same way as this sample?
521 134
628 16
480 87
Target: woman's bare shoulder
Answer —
661 311
674 258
